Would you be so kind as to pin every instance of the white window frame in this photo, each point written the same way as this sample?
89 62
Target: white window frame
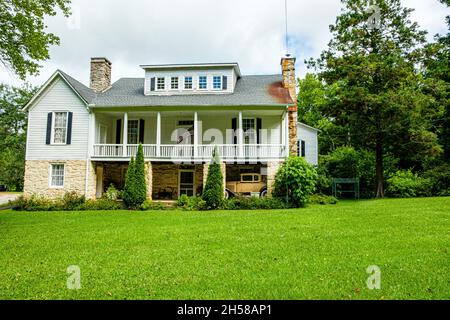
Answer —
52 134
178 82
157 83
50 175
193 181
198 79
220 82
192 83
138 131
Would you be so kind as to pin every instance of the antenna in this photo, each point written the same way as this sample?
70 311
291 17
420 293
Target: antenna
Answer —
286 22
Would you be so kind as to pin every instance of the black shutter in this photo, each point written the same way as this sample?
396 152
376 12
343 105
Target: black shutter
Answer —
234 127
118 130
49 128
69 128
152 84
224 83
258 130
141 130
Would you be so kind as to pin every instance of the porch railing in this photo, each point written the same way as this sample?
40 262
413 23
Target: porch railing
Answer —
226 151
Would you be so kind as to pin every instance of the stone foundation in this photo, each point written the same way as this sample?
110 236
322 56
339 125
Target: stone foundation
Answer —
272 169
37 176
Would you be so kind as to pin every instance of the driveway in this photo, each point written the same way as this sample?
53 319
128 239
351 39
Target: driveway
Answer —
5 197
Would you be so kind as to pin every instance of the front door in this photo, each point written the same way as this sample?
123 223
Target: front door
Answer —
186 183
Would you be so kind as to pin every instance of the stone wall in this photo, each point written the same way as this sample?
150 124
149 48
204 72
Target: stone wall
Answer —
100 74
289 81
37 174
272 169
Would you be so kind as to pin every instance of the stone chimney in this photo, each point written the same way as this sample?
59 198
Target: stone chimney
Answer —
100 74
289 81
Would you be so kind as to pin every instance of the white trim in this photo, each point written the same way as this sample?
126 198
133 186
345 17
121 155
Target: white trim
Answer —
309 127
50 175
198 82
52 129
178 83
156 83
184 83
193 180
234 65
221 82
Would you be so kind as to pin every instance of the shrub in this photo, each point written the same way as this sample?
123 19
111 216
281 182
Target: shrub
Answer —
101 204
406 184
213 192
72 201
295 180
112 193
149 205
191 203
141 180
254 203
439 177
322 199
36 203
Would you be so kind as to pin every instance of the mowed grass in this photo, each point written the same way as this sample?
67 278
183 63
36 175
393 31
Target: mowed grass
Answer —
321 252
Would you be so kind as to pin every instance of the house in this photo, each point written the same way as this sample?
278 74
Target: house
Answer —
81 138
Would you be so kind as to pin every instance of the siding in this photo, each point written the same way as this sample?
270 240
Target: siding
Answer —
309 135
58 97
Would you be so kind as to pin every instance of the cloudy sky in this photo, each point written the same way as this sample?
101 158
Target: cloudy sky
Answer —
250 32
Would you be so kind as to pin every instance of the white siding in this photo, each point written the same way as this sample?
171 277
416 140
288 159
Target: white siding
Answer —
230 73
309 135
58 97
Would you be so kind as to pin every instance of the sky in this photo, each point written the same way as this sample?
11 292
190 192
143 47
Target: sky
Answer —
250 32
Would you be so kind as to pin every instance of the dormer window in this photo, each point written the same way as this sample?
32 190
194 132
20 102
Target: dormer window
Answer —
217 82
174 83
161 83
188 83
202 82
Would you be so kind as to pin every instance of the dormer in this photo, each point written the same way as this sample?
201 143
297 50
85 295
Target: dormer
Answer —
188 79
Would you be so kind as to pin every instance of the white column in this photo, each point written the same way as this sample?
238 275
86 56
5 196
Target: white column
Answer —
125 134
286 133
241 135
92 134
158 135
195 134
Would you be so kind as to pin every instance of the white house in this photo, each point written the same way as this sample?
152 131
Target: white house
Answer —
81 138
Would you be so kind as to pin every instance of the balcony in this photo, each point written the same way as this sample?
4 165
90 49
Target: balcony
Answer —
186 152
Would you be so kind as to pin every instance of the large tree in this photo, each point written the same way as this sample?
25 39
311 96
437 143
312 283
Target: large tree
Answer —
23 37
13 127
371 62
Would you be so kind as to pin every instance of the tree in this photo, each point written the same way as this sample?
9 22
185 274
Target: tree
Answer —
13 132
295 181
23 38
141 181
378 95
213 192
129 189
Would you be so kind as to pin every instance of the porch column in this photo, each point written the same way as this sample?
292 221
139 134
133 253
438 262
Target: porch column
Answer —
125 134
241 135
195 135
158 135
92 134
286 134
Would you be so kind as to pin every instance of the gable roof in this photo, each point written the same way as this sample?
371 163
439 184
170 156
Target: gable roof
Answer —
256 90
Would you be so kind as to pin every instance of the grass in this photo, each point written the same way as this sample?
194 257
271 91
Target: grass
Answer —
321 252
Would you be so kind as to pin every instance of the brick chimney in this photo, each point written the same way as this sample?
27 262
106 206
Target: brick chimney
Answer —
289 81
100 74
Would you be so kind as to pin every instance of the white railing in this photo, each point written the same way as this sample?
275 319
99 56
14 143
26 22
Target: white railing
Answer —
204 152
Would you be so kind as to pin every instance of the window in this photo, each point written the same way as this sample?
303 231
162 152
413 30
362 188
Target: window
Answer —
301 148
250 178
186 183
249 127
188 83
133 131
174 83
185 123
60 128
57 175
161 83
217 82
202 82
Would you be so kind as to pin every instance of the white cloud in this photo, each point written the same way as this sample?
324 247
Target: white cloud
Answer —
250 32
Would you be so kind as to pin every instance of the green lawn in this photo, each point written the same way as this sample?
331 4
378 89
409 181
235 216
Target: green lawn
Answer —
314 253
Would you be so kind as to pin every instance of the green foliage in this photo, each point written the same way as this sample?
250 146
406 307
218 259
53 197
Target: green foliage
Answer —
24 40
322 199
129 196
141 180
148 205
439 177
213 192
295 181
13 131
72 201
191 203
254 203
406 184
112 193
101 204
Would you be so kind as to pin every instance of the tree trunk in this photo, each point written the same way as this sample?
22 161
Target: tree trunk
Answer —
379 167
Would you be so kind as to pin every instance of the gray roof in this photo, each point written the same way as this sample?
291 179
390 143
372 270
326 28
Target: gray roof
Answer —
256 90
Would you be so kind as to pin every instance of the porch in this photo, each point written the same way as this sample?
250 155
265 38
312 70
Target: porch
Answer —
190 136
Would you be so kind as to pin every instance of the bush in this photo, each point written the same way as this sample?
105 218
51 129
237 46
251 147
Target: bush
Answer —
148 205
254 203
191 203
101 204
135 190
112 193
72 201
296 179
406 184
439 177
322 199
35 203
213 192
